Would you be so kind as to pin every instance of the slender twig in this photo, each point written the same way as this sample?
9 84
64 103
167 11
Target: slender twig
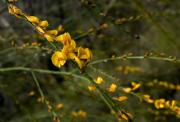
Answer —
37 84
135 58
22 48
41 71
42 95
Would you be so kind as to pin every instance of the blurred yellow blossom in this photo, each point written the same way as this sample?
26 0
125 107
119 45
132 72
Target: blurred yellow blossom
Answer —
59 106
99 80
135 85
112 88
92 88
127 90
120 98
80 113
147 98
160 103
48 37
31 93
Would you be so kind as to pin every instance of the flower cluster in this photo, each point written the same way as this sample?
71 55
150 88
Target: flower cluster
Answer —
112 88
80 113
69 51
163 84
128 69
162 103
80 55
99 80
134 87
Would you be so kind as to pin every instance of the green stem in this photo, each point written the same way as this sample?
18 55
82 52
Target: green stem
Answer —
42 94
135 58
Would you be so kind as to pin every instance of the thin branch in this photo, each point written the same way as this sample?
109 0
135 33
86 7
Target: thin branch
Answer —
52 111
124 57
41 71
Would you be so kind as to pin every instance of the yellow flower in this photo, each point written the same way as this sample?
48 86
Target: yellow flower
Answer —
112 88
120 98
99 80
177 110
59 106
32 19
15 11
127 90
43 24
135 85
147 98
82 114
58 59
70 48
170 104
84 53
159 104
53 32
64 38
123 116
49 37
92 88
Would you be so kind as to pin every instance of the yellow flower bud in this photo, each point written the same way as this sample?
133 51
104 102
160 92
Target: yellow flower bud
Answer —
39 29
64 38
147 98
112 88
60 28
53 32
135 85
127 90
84 53
48 37
59 106
43 24
120 98
32 19
15 11
82 114
92 88
99 80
